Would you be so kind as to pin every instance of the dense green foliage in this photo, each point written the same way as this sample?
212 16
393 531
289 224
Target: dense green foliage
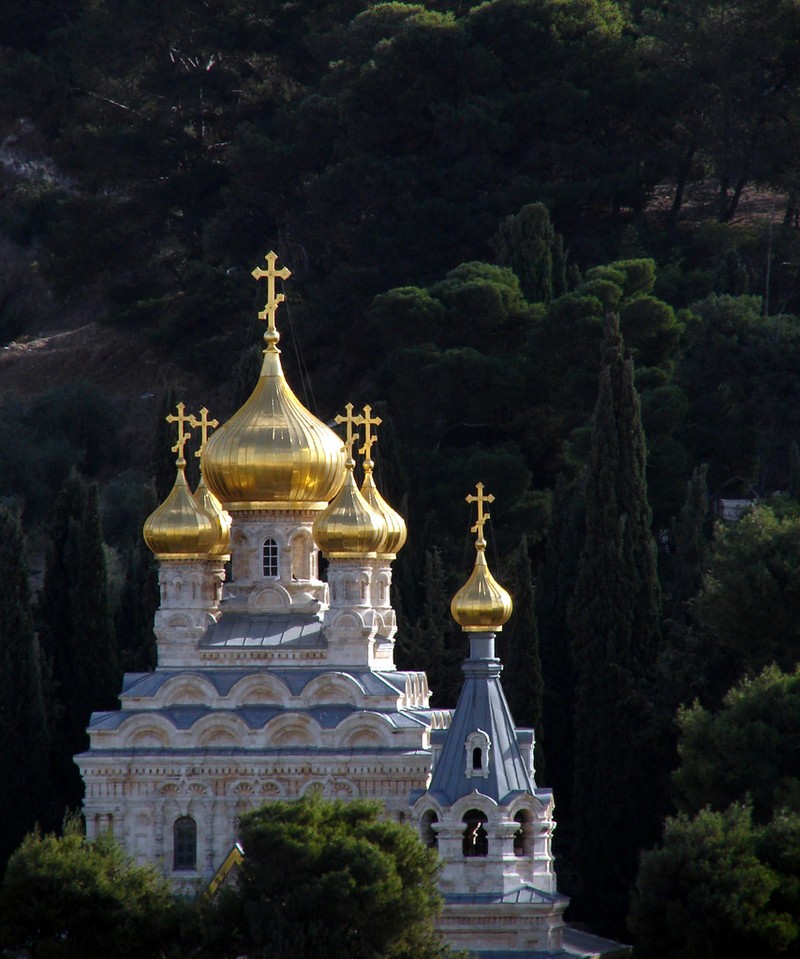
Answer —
335 880
726 881
67 898
615 618
23 730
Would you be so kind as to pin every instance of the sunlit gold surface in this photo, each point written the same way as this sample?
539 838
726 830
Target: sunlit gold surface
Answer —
396 531
179 528
481 605
273 453
221 520
349 524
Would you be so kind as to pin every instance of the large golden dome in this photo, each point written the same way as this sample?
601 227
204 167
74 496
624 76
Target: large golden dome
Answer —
273 453
481 605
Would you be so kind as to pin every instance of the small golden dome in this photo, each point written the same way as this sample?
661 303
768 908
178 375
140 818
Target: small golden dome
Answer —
349 525
221 520
481 605
396 531
273 453
179 528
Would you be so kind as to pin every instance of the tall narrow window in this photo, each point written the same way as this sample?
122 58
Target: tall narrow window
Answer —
476 840
184 844
270 558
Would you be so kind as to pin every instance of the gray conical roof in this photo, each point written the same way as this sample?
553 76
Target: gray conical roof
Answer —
481 707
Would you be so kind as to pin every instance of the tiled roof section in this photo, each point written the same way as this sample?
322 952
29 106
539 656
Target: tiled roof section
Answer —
481 706
241 630
145 685
254 717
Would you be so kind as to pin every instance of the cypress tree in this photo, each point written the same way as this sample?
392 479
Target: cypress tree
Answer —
77 629
523 683
528 244
615 617
555 585
23 728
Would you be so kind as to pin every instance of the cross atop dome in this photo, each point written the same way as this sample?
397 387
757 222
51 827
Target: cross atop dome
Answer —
183 434
483 517
273 299
368 421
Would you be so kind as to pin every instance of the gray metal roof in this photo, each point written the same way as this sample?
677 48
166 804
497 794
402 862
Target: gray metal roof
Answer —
242 630
524 894
481 706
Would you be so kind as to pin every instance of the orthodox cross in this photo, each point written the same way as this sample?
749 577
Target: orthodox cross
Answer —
350 421
202 424
183 434
480 499
368 421
273 299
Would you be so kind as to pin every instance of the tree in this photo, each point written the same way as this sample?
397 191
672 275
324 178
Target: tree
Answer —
747 610
67 898
523 684
23 728
336 880
744 751
615 618
711 891
77 630
528 244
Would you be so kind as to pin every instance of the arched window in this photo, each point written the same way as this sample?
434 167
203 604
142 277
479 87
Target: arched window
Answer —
476 840
477 749
523 837
184 835
477 757
428 833
270 558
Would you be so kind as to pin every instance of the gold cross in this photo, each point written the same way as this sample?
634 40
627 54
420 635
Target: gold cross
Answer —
183 435
480 499
350 421
273 299
368 421
202 424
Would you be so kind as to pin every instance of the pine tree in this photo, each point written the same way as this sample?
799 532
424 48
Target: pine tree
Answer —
77 629
615 617
23 728
523 679
555 585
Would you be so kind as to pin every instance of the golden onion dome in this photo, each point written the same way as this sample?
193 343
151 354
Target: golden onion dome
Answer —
481 605
273 453
396 531
179 528
221 520
349 525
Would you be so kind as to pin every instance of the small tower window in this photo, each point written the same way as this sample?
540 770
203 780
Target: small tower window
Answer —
429 836
185 844
270 558
476 841
523 837
477 749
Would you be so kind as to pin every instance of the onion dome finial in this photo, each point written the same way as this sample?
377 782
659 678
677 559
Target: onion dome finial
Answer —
179 528
396 531
481 605
349 525
205 498
273 453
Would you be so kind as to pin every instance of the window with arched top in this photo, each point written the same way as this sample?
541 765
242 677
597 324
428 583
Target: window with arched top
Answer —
184 846
477 747
427 832
523 837
476 839
269 558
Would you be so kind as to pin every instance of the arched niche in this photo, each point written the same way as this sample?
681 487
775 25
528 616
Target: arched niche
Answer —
301 551
259 689
186 691
333 688
287 731
218 730
475 840
426 831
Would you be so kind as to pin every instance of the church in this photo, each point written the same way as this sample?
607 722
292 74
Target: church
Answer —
272 681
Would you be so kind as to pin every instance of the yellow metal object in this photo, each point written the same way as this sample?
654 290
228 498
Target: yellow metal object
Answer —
396 531
183 434
349 525
273 453
179 528
273 299
205 498
481 605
